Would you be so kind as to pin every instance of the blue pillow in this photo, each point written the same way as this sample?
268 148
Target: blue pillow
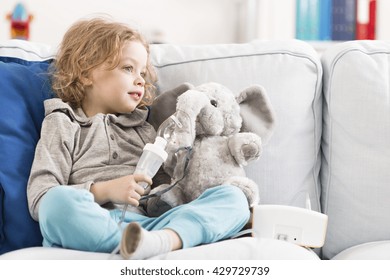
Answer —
24 85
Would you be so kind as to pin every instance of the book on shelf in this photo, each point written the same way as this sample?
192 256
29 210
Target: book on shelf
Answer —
307 23
338 20
325 15
343 20
365 19
313 19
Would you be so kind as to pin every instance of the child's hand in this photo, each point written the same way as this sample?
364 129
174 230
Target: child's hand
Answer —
121 190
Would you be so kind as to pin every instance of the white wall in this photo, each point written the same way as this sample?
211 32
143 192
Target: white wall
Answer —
383 20
276 19
179 21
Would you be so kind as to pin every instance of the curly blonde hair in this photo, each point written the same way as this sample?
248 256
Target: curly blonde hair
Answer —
88 44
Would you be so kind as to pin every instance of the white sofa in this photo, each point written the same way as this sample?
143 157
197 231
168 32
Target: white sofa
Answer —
332 140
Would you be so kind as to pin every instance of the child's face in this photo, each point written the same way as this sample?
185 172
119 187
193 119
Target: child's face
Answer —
121 89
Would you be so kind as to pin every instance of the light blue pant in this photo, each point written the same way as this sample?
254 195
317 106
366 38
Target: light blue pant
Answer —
70 218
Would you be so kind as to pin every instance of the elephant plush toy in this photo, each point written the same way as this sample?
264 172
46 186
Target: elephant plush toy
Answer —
224 131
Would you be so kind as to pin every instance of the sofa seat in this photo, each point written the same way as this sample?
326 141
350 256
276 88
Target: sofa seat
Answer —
379 250
232 249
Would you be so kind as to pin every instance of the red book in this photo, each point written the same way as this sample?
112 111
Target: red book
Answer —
372 21
365 19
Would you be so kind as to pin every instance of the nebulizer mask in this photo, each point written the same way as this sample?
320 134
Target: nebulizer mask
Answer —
177 130
154 155
168 144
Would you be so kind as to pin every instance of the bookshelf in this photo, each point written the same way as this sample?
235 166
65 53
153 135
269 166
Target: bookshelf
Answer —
337 20
279 19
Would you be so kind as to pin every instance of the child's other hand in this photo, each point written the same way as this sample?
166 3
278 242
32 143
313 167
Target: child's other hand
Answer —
121 190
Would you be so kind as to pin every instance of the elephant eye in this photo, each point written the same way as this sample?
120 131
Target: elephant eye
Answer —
214 103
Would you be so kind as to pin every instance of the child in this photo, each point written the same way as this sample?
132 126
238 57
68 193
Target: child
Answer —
91 139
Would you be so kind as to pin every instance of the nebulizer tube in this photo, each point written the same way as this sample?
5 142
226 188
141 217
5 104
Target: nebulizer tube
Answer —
153 156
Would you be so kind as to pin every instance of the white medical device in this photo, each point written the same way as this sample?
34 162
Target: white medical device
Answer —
300 226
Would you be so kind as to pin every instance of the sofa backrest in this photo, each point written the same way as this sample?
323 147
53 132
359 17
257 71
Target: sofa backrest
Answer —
291 73
355 172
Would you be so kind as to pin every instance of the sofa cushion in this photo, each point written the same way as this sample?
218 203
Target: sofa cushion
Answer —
245 248
355 171
291 73
23 86
379 250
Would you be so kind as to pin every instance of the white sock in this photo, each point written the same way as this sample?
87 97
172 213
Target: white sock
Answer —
138 243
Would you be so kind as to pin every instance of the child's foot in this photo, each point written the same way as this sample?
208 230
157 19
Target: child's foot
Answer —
138 243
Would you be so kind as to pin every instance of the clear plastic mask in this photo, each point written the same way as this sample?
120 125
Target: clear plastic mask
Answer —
177 130
170 128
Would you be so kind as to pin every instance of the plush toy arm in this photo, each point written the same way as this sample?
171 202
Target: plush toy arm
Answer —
245 147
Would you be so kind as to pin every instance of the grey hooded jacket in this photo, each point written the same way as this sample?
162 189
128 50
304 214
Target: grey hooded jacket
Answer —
76 150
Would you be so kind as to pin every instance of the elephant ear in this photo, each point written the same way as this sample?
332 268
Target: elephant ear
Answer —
257 113
165 104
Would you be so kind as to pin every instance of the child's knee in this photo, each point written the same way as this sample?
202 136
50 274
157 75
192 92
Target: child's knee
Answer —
235 198
239 201
232 193
59 203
